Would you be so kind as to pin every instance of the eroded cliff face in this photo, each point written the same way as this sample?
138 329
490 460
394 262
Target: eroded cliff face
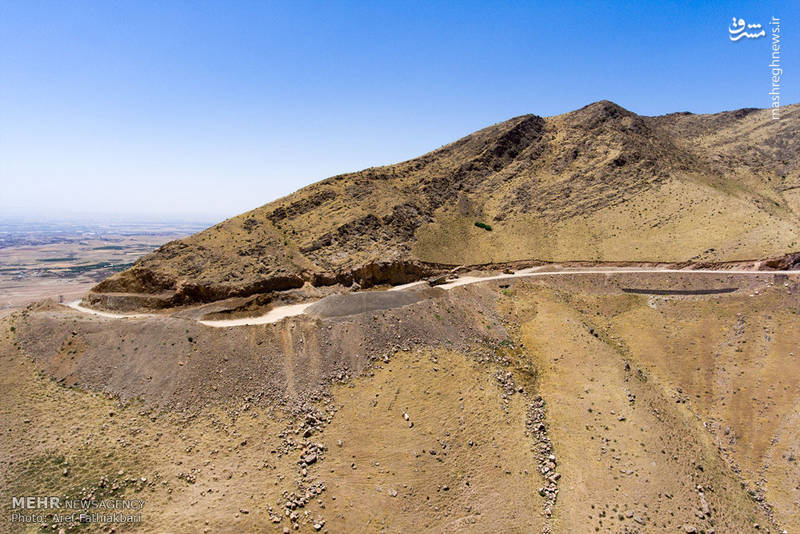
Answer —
135 288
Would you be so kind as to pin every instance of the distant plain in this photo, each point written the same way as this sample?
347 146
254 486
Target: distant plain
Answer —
64 260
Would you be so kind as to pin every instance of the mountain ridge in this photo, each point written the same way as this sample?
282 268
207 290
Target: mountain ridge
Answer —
600 183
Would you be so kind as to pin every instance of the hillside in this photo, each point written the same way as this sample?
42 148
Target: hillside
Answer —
616 351
549 405
598 183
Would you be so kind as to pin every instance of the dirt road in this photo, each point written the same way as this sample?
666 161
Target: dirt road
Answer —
281 312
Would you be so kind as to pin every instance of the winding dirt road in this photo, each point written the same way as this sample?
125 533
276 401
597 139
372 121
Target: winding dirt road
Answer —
281 312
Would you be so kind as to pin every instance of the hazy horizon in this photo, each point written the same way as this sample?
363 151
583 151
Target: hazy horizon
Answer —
152 111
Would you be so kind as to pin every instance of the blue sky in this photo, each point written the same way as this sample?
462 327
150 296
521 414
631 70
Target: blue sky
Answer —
207 109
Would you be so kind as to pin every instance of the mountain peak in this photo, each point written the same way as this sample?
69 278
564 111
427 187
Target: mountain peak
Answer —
598 113
606 106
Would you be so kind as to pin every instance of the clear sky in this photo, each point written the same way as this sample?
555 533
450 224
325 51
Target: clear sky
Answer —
207 109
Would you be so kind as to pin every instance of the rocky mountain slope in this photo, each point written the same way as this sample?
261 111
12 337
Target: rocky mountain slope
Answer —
598 183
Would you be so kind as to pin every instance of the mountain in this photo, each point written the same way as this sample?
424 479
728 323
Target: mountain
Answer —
600 183
552 400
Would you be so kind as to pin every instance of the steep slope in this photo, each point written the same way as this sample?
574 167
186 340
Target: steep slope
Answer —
599 183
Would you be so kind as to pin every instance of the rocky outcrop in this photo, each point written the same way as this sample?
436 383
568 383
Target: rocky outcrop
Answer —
790 262
136 280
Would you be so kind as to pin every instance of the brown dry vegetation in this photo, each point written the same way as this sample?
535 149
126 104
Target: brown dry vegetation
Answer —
663 412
